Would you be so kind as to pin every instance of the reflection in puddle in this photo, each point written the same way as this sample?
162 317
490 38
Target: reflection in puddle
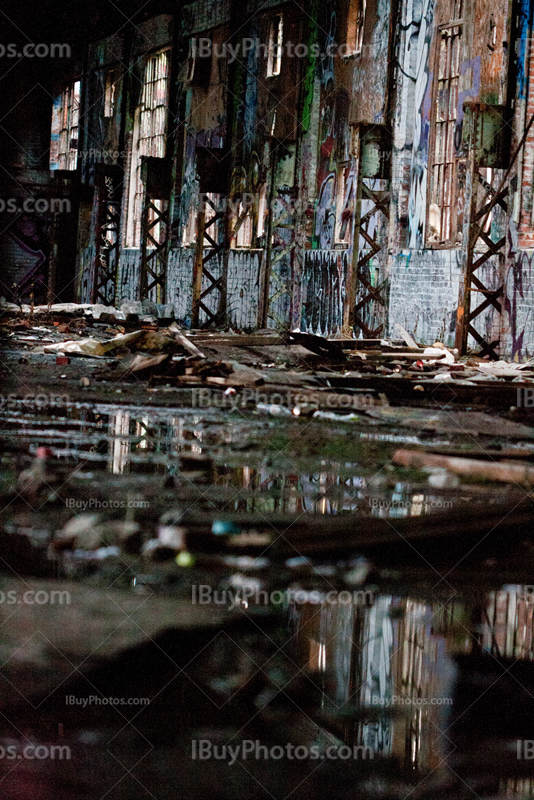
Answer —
265 478
389 674
401 676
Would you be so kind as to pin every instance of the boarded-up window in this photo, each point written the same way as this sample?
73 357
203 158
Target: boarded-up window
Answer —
443 220
148 139
65 122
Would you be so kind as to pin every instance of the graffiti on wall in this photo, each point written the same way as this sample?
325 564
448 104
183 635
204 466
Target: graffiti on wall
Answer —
324 291
25 253
419 168
325 218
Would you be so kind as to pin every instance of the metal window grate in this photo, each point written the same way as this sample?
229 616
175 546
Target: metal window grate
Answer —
69 122
149 138
442 199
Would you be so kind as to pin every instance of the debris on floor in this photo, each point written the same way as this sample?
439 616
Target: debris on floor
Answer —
271 471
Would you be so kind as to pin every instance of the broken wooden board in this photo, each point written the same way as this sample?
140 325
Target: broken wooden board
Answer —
502 471
237 340
285 535
327 348
185 341
401 390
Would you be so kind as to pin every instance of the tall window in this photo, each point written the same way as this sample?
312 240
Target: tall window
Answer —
109 98
148 139
275 46
244 234
443 220
65 122
355 26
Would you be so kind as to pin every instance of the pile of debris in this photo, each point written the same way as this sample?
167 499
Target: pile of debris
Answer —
140 340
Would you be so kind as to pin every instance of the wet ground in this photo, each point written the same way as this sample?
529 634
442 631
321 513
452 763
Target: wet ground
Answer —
334 658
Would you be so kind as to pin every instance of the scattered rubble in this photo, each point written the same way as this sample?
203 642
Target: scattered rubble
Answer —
152 347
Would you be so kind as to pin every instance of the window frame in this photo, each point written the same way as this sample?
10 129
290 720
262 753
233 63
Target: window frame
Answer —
136 189
452 241
275 51
356 27
68 120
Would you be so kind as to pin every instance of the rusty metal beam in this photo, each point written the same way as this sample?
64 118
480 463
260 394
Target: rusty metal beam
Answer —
154 261
109 185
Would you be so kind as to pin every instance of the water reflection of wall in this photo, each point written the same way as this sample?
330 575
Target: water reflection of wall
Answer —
517 787
397 655
508 623
382 658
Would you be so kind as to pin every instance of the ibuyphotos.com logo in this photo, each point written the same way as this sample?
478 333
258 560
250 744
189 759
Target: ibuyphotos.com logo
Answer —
253 750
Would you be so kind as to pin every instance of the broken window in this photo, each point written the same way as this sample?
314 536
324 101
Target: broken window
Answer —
213 204
189 235
275 46
148 140
202 62
245 221
356 26
344 204
444 218
262 210
65 122
109 97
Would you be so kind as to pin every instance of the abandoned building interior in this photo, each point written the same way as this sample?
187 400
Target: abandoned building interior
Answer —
267 399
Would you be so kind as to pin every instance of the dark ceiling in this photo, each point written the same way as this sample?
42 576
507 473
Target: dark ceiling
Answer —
75 20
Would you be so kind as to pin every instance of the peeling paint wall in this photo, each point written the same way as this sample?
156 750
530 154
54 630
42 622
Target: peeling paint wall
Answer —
292 137
425 279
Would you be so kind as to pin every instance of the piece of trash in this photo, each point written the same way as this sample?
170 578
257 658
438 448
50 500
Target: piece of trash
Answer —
85 381
185 559
274 409
359 572
440 354
336 417
441 478
172 536
222 528
62 360
80 533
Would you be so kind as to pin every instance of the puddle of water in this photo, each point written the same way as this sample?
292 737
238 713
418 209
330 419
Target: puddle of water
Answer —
422 681
402 677
249 455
